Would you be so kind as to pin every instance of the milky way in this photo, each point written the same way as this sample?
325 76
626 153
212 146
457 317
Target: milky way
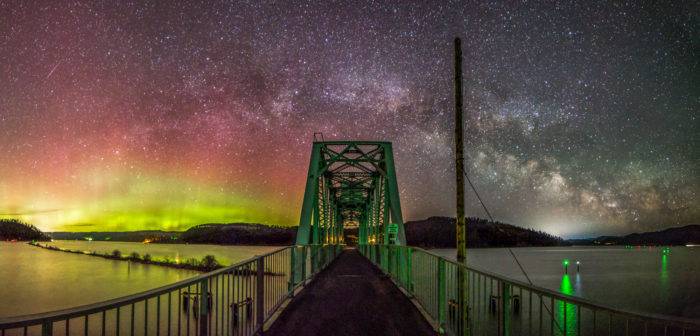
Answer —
581 118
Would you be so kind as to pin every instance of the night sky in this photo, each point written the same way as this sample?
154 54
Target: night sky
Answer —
582 118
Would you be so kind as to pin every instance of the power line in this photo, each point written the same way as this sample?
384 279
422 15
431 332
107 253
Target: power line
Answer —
478 197
488 213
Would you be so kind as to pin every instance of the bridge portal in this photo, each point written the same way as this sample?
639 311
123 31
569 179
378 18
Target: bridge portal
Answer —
351 183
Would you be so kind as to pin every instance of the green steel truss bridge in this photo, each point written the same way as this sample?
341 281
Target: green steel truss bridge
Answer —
320 286
351 183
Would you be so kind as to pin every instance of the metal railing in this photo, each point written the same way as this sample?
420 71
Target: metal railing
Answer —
235 300
500 306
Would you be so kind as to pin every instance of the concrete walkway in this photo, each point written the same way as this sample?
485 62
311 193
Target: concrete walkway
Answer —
351 297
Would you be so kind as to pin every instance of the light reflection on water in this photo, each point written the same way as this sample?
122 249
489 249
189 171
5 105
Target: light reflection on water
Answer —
638 279
566 313
35 280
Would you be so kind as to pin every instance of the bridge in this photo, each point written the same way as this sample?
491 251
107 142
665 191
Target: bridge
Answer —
321 286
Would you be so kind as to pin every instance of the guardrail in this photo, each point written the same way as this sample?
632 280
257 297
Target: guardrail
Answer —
236 300
500 306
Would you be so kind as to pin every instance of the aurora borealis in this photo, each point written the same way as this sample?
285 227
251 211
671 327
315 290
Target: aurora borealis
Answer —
581 117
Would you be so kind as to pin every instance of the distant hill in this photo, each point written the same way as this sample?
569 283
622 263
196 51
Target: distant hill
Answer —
240 234
12 229
230 234
689 234
431 232
441 232
125 236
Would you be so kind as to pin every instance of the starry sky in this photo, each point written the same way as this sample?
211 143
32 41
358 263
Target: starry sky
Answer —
582 117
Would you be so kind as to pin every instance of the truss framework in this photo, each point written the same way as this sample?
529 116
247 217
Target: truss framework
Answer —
350 183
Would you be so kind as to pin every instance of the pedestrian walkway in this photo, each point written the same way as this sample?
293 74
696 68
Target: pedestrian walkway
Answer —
351 297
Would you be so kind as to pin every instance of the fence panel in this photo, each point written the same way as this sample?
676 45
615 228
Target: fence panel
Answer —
235 300
500 306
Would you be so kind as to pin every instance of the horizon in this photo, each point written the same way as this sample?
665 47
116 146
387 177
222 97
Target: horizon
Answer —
116 117
408 221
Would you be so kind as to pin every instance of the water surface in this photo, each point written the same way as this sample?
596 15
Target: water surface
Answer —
35 280
641 279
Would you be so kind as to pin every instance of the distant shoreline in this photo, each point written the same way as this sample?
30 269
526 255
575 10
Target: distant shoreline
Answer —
433 232
207 264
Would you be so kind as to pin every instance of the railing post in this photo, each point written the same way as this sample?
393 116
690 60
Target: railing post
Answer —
409 270
397 262
463 299
204 307
47 329
503 308
442 295
402 264
393 264
314 259
390 261
384 257
400 267
303 263
292 270
377 254
260 294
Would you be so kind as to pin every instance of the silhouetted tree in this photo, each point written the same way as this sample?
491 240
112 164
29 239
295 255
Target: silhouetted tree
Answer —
14 229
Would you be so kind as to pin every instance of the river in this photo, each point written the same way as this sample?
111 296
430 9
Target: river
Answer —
642 279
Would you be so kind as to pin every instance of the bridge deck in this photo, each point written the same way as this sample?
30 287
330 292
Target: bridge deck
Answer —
351 297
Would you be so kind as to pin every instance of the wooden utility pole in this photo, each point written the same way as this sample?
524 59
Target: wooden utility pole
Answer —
461 229
459 153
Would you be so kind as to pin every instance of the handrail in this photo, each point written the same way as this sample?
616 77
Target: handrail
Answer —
677 320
